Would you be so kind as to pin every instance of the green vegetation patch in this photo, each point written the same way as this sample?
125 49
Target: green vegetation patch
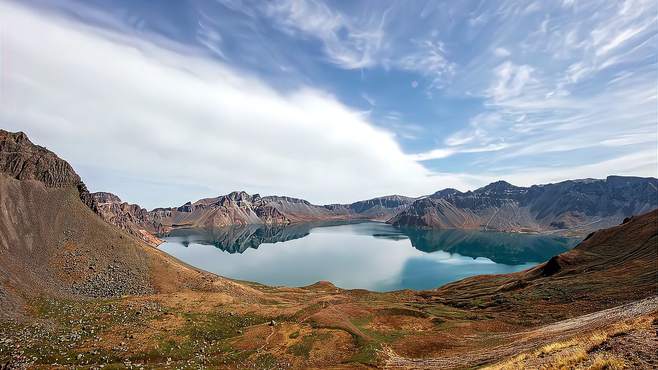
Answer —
218 325
368 349
305 345
367 354
266 361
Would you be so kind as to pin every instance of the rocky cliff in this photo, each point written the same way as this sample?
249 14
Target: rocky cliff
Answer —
574 206
129 217
22 160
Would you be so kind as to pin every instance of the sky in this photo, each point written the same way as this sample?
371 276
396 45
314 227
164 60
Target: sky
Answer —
163 102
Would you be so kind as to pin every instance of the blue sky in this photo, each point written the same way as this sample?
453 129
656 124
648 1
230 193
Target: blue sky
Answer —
164 102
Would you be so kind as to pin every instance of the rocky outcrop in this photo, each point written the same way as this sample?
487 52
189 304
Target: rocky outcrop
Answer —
103 197
574 206
22 160
129 217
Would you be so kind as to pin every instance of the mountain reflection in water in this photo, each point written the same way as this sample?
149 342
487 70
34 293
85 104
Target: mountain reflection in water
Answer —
500 247
369 255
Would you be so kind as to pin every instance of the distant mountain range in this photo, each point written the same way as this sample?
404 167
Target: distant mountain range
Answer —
239 208
574 207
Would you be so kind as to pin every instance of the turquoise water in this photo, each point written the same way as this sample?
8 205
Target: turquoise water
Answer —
368 255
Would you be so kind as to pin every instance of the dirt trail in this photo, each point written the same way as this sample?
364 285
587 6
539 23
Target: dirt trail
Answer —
527 340
267 340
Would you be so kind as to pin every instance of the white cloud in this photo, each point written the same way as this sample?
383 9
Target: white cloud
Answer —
348 43
209 36
356 41
447 152
579 93
121 105
502 52
619 39
434 154
510 80
429 60
568 3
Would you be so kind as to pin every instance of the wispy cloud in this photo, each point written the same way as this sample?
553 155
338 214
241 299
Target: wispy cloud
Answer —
127 106
429 60
581 83
347 43
368 99
520 90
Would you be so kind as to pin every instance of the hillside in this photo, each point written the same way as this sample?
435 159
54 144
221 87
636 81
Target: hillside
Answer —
52 242
596 304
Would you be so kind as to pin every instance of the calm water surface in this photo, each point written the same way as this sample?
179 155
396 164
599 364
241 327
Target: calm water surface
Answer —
369 255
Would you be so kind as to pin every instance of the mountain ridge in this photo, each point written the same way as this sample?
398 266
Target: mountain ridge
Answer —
571 207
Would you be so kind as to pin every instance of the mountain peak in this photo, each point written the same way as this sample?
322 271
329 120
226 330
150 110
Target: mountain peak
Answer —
444 193
499 186
105 197
23 160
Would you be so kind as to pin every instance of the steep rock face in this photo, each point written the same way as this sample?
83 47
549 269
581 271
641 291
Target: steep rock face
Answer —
431 212
22 160
103 197
576 206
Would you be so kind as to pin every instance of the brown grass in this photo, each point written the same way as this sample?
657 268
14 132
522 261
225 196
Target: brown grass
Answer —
577 351
607 363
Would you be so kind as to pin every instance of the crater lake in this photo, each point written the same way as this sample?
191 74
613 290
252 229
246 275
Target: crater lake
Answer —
369 255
